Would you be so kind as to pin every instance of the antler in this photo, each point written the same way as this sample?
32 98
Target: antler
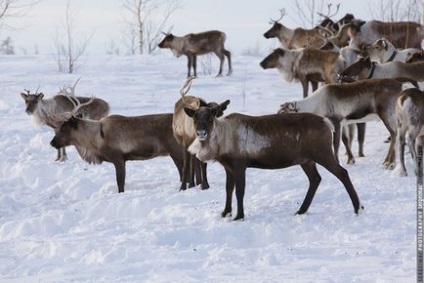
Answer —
328 16
282 14
71 92
185 88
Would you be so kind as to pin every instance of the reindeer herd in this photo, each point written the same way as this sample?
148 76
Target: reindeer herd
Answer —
367 70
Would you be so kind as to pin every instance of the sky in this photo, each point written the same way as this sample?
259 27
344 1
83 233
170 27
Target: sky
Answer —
243 21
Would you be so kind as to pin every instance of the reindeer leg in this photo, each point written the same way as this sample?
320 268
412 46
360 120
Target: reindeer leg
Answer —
311 172
240 180
334 167
361 138
61 155
400 151
229 188
205 184
230 68
120 174
192 171
347 141
305 86
186 170
189 62
194 63
221 63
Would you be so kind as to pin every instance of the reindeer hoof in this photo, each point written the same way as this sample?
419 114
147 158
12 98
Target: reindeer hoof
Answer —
225 213
238 218
205 186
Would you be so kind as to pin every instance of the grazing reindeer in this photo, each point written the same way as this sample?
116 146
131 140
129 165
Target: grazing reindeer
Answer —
410 121
276 141
383 51
298 37
117 139
363 68
65 101
194 44
352 103
305 65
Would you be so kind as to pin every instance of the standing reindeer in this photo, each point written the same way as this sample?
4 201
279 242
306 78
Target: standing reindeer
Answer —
194 44
41 109
276 141
117 139
410 122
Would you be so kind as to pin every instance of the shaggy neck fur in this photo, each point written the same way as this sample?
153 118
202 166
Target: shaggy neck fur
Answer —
87 145
177 46
287 65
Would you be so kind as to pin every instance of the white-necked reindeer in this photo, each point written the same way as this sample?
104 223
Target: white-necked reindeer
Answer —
276 141
40 109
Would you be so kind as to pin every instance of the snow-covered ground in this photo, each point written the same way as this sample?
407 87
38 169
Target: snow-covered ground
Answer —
65 222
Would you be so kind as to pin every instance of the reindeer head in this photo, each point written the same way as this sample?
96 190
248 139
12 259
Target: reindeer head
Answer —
276 26
31 101
288 107
204 118
62 136
166 42
272 60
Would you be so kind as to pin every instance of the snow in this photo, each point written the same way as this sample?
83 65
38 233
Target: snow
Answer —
65 222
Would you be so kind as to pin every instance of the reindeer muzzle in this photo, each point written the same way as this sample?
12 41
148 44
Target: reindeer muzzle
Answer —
202 135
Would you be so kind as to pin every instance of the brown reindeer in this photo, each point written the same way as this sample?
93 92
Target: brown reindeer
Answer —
41 109
355 102
400 34
184 133
117 139
194 44
276 141
363 68
305 65
298 37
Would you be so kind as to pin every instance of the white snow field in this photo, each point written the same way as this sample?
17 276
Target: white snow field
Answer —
66 222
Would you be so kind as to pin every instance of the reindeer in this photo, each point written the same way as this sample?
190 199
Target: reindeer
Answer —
363 68
415 57
298 37
306 65
410 121
352 103
240 141
184 133
117 139
40 109
383 51
400 34
194 44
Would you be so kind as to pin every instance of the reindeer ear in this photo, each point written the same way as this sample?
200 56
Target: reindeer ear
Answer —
40 95
189 111
24 95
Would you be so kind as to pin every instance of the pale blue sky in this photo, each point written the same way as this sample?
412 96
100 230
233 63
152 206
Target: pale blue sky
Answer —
243 21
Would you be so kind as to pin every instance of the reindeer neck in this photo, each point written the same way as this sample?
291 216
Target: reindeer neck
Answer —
285 35
89 141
